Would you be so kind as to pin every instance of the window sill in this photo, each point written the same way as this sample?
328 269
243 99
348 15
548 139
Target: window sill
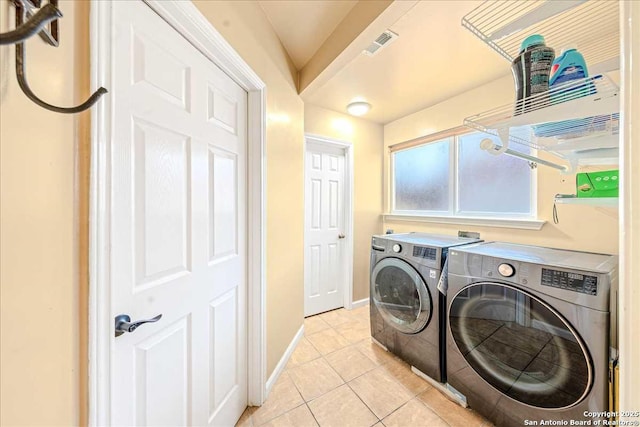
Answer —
523 224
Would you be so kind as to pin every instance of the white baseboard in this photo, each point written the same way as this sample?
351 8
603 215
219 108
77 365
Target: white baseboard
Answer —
359 303
283 360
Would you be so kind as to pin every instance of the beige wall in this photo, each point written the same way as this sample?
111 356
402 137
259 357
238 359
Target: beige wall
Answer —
44 181
581 227
42 295
245 26
367 140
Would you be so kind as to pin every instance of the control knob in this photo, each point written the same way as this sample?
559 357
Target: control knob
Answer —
506 270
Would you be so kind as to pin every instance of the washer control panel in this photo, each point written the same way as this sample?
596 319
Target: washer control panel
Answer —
425 252
570 281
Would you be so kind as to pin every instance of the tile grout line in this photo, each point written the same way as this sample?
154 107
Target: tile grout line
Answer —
403 386
359 346
357 343
304 402
342 348
356 346
316 348
271 419
397 382
364 373
364 403
299 392
312 414
398 408
379 420
413 396
345 382
313 346
429 408
301 395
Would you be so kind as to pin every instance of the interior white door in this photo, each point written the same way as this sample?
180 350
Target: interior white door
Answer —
178 225
324 271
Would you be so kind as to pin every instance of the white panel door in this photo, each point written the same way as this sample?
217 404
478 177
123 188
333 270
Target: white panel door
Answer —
324 272
178 220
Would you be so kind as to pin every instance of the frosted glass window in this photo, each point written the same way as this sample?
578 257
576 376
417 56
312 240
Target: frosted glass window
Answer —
422 177
492 184
425 178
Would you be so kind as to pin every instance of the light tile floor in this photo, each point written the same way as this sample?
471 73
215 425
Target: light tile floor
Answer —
337 377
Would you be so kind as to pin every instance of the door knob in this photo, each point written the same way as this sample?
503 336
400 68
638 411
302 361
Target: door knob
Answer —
341 236
124 324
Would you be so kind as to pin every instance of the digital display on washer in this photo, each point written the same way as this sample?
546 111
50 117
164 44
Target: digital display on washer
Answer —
571 281
424 252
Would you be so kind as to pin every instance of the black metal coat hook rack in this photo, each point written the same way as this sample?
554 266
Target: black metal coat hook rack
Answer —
33 26
28 23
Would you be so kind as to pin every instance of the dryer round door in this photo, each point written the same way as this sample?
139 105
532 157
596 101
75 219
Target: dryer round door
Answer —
520 345
401 295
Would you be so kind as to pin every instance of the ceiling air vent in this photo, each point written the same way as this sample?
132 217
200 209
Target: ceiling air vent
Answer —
381 41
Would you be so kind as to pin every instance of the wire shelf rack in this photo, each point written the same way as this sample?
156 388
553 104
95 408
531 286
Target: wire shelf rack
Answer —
578 121
583 108
592 26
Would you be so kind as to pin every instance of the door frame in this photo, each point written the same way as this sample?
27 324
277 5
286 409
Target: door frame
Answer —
348 206
629 298
185 18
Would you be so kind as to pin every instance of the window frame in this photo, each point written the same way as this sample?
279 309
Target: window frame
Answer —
454 214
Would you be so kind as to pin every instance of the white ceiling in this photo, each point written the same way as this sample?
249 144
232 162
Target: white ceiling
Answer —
433 59
303 25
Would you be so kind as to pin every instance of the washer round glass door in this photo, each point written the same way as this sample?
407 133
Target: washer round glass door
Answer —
401 296
520 345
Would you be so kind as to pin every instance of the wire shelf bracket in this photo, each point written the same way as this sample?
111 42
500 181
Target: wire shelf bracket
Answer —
577 122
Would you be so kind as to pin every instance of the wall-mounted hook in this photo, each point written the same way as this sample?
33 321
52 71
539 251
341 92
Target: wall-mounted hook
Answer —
33 26
22 81
24 85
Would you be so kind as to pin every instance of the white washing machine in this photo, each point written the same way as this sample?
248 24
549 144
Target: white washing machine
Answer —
530 331
406 306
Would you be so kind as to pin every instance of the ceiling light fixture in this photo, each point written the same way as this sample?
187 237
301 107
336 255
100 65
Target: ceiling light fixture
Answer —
358 108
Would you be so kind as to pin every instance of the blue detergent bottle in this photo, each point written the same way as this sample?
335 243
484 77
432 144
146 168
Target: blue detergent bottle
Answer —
567 67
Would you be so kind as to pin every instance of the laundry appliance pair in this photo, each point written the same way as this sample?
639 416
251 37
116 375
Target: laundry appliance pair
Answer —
407 309
523 332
